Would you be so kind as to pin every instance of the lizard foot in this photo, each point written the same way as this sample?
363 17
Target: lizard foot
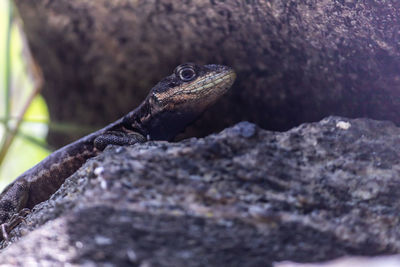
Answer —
13 222
117 138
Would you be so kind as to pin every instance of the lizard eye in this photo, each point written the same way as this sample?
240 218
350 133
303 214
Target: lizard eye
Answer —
186 73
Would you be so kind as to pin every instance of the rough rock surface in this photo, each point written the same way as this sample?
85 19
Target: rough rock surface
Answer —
243 197
380 261
297 61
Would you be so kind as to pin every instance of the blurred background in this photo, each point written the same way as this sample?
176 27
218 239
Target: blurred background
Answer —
24 115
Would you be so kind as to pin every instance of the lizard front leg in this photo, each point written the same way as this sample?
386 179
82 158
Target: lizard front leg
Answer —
118 138
12 203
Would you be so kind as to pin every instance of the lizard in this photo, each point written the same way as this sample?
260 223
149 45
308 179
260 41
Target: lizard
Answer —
171 105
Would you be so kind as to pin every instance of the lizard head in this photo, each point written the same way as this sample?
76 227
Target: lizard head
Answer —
191 88
177 100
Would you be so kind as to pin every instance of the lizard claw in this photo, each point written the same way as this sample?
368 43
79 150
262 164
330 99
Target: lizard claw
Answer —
18 218
4 231
13 222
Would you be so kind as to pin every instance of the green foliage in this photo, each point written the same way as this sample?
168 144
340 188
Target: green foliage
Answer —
24 112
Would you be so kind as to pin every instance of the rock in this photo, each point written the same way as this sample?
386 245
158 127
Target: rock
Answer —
243 197
382 261
296 61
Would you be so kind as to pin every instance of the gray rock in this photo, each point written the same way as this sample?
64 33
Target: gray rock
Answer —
381 261
243 197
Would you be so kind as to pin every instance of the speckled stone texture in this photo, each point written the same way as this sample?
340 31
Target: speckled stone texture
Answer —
379 261
243 197
297 61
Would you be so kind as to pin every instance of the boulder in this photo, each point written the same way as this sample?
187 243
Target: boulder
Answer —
295 61
242 197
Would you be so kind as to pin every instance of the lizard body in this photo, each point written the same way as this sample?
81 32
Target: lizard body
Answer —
170 106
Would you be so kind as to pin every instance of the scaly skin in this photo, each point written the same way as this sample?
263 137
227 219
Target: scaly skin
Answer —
171 105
